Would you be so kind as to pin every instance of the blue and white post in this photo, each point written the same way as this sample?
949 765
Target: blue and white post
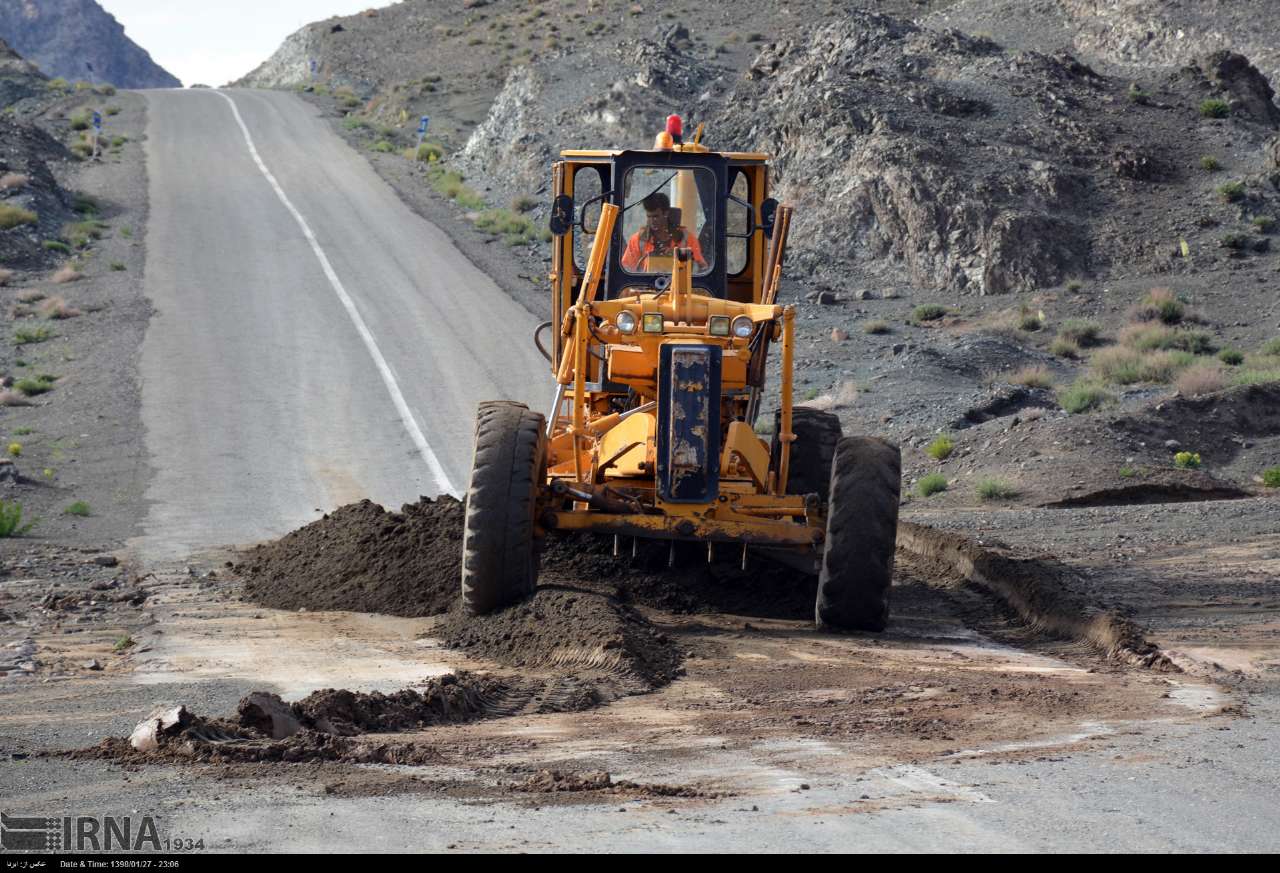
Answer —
314 67
97 132
422 132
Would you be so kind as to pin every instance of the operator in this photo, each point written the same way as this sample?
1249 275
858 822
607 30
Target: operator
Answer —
659 236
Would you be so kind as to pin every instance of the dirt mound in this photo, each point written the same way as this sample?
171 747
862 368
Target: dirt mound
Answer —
363 558
569 628
558 781
443 700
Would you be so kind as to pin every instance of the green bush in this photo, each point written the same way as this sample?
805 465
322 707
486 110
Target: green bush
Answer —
351 122
1264 223
1271 477
1064 348
34 386
34 334
79 508
1187 460
1214 108
996 489
383 146
928 312
1082 397
1080 331
11 519
79 122
112 110
1231 191
941 447
1210 164
1128 472
931 484
56 245
1271 347
12 216
1231 357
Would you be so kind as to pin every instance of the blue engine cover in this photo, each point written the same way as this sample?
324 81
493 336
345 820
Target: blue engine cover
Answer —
689 423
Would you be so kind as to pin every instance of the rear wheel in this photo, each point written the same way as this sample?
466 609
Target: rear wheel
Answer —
499 559
862 530
817 433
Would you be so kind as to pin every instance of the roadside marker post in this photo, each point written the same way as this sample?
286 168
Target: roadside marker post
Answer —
422 132
97 132
313 69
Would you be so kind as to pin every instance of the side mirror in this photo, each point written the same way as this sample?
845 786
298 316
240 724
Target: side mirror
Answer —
561 215
768 211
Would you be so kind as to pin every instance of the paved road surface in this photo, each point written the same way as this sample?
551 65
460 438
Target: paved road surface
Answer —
315 342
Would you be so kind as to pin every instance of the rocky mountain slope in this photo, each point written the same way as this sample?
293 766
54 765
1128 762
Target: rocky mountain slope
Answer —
78 40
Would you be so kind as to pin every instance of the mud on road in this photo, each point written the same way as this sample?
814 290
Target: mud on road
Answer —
570 697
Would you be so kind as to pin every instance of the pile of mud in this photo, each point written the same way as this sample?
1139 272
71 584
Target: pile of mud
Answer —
330 725
365 559
601 782
573 630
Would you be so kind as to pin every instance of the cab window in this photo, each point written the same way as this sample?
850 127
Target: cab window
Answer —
587 186
666 208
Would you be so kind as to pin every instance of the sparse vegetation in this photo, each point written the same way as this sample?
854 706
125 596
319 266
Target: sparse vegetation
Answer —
1271 348
1064 348
1034 376
515 229
1271 477
383 147
13 216
57 245
31 387
15 449
1187 460
996 489
1231 357
1151 337
1030 319
1137 95
1074 286
523 204
1082 397
123 643
927 312
79 508
1264 223
941 447
13 181
79 121
113 109
57 308
875 326
66 274
11 519
931 484
1080 331
28 334
1159 304
1128 472
1214 107
1231 191
1209 164
352 122
1201 378
117 266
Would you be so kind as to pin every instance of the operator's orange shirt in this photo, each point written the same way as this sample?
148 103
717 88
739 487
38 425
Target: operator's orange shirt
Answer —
641 245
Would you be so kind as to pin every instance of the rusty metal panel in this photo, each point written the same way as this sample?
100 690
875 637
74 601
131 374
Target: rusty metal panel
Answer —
688 453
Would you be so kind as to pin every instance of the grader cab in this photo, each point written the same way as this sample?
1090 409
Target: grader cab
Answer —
664 282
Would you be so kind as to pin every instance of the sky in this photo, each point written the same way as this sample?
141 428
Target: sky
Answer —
212 43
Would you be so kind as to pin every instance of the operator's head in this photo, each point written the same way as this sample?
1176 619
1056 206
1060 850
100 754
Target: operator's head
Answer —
657 212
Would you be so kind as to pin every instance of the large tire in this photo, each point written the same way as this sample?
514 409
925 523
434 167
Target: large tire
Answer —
817 433
499 558
862 531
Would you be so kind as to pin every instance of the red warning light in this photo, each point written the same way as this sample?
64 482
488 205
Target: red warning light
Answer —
675 127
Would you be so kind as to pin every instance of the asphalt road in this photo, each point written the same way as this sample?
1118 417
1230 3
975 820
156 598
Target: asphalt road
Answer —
314 342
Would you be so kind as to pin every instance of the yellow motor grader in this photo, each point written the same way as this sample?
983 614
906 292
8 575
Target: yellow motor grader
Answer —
664 281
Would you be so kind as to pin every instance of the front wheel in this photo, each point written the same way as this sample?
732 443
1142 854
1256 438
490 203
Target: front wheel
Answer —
862 532
499 560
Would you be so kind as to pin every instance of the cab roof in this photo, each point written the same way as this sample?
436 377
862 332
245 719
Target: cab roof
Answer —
737 157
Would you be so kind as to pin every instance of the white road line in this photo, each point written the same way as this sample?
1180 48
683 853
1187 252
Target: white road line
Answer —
384 369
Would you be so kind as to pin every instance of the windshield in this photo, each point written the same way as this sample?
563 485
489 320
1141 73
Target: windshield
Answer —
665 209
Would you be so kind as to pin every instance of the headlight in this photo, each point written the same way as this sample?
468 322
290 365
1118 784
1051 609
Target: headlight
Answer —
718 325
626 322
653 322
742 326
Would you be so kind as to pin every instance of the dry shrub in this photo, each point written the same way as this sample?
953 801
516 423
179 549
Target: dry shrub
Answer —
30 295
57 307
13 181
844 396
1035 376
1160 304
65 275
1201 378
5 276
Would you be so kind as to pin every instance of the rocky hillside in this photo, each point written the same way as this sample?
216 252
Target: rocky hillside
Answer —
78 40
1014 153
